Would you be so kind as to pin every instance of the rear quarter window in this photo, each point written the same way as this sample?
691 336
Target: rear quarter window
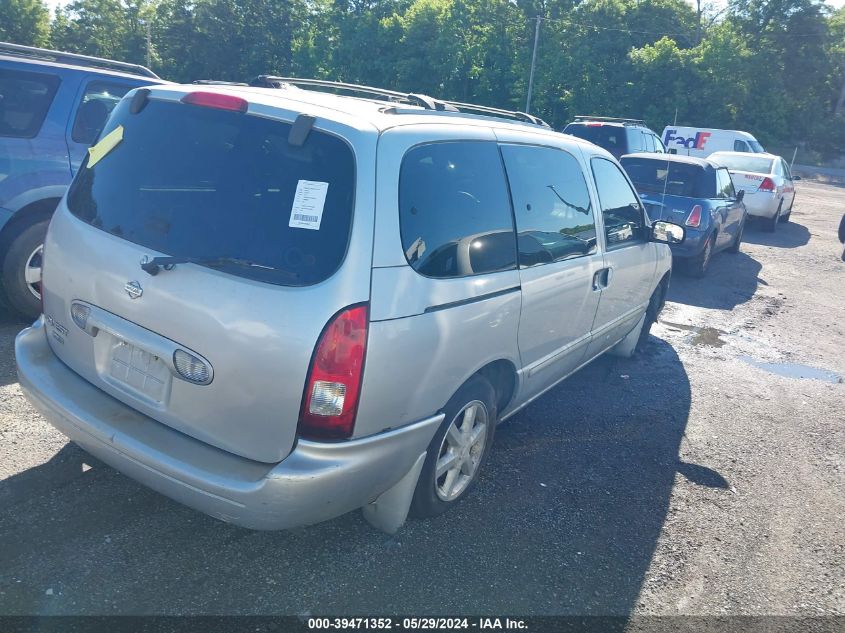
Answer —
25 98
203 183
454 211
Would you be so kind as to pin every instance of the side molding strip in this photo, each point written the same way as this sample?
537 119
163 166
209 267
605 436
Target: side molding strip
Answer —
463 302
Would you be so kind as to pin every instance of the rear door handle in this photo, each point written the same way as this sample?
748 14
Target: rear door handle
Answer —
602 278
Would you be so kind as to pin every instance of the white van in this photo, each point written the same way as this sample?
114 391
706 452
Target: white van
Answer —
701 142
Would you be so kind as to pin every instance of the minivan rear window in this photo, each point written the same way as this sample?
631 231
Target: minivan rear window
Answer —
610 137
653 175
199 182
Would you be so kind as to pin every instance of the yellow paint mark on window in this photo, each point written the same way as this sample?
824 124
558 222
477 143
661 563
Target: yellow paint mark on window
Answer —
104 146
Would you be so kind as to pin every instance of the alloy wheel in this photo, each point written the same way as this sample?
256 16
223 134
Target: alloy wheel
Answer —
461 451
32 271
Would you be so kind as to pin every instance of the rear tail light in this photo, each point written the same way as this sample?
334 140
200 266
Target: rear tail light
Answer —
595 124
334 379
694 218
216 100
767 185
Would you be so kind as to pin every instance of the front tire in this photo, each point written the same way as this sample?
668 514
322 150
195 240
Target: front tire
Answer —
734 247
22 269
458 450
652 312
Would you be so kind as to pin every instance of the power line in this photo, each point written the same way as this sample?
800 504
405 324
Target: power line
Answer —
655 33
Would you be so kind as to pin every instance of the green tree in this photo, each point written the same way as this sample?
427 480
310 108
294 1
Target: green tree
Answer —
24 22
105 28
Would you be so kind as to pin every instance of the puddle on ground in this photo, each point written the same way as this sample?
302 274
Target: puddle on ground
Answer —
708 336
795 370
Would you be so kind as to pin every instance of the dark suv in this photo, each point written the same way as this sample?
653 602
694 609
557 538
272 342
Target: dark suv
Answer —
617 136
52 107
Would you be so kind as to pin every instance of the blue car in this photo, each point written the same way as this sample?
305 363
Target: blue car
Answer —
52 107
694 192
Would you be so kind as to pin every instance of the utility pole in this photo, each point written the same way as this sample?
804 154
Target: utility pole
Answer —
533 63
149 43
698 31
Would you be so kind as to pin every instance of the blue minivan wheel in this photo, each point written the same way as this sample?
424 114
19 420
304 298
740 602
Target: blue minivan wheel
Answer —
22 270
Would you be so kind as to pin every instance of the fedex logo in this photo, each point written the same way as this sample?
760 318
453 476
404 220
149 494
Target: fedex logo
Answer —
693 142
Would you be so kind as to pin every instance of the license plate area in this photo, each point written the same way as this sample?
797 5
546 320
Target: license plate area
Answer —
137 370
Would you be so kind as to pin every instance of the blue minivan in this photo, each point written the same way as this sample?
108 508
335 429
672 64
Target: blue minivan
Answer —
52 107
694 192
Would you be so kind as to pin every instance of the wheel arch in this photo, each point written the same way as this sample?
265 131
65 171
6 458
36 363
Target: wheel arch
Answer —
502 375
26 216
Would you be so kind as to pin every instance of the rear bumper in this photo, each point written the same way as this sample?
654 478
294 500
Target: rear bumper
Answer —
692 245
315 482
761 204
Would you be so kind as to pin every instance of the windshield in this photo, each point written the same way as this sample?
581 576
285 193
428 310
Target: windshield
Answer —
756 147
673 178
744 162
610 137
199 182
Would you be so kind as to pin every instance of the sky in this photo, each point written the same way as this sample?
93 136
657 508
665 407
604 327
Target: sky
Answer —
834 3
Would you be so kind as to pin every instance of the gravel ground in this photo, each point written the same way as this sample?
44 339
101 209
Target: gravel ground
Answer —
692 480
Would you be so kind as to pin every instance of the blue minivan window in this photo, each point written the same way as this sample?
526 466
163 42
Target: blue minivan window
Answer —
24 100
192 181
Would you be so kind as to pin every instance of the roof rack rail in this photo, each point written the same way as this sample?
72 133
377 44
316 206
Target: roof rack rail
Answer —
396 97
609 119
217 82
74 59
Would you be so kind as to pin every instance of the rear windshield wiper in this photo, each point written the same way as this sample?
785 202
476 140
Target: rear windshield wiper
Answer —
156 264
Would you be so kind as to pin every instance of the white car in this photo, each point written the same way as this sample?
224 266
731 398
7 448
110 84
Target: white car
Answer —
767 181
701 141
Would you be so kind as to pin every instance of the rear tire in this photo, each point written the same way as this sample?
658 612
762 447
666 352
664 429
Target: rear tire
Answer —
22 269
785 218
770 224
458 453
698 266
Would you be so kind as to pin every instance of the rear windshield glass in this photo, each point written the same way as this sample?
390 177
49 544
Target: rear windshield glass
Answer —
610 137
735 162
191 181
675 179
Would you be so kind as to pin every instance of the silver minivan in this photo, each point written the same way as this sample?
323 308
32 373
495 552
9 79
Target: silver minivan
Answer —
277 305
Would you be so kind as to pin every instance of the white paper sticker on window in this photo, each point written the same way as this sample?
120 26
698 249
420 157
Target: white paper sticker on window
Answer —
308 203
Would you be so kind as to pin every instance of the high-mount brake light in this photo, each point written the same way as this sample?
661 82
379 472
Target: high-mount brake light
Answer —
334 379
216 100
767 185
694 218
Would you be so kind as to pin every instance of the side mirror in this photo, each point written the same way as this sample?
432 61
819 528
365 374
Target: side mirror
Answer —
671 151
667 233
740 195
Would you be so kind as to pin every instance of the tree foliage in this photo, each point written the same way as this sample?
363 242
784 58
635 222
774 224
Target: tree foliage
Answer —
773 67
24 22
